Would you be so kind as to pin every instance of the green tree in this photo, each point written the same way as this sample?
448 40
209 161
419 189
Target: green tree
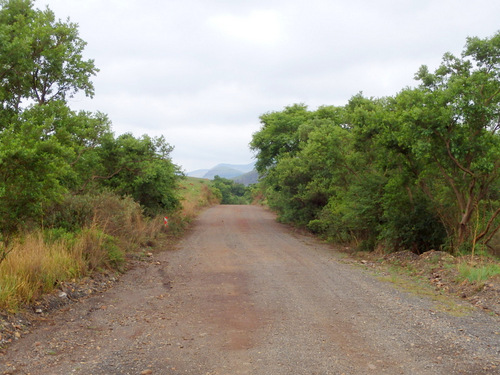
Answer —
451 123
29 170
41 65
139 167
40 57
48 150
231 192
386 196
416 171
278 136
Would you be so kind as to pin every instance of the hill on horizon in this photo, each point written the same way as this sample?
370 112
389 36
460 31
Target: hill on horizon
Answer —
229 171
199 173
248 178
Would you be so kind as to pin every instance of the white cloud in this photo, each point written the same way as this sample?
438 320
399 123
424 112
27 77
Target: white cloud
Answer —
212 143
201 72
261 27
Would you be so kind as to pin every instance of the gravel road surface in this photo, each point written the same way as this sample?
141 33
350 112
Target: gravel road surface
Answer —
243 294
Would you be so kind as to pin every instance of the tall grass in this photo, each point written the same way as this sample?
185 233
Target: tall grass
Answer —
196 194
34 267
87 234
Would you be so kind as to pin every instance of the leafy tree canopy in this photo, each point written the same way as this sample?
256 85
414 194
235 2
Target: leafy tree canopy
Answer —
40 57
47 150
418 170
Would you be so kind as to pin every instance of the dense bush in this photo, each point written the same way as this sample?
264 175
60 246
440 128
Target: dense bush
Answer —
231 192
418 171
73 196
48 151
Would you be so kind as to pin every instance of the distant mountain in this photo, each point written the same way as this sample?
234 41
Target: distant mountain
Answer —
240 167
199 173
229 171
222 170
249 178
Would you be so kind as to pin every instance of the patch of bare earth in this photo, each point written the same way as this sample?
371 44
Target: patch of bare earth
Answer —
242 294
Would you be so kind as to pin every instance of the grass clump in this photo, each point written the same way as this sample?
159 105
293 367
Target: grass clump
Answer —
478 273
83 235
34 267
36 264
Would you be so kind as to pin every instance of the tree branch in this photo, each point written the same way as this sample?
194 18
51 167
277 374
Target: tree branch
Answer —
457 163
459 196
488 226
80 153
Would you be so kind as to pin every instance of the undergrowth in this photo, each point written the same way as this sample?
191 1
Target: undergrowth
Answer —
196 194
411 281
84 235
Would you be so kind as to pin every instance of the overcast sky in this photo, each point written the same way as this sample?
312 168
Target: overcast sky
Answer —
202 72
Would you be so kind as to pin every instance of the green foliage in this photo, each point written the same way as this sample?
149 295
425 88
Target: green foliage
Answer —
40 57
72 195
41 155
451 125
53 235
141 168
409 221
478 273
278 136
418 171
231 192
48 151
116 216
40 66
71 214
115 257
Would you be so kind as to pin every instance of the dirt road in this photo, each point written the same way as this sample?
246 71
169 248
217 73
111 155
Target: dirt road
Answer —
242 294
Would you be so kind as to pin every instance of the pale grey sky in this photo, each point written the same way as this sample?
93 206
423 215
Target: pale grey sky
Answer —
201 72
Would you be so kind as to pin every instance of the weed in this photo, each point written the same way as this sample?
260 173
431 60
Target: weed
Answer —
53 235
478 273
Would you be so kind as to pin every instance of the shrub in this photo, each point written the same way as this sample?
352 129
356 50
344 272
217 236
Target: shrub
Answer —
119 217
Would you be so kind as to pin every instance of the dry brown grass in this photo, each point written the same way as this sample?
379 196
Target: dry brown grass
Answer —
197 194
122 218
34 267
38 261
110 226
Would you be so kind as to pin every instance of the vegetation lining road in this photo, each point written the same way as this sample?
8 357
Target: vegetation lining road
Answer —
416 171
